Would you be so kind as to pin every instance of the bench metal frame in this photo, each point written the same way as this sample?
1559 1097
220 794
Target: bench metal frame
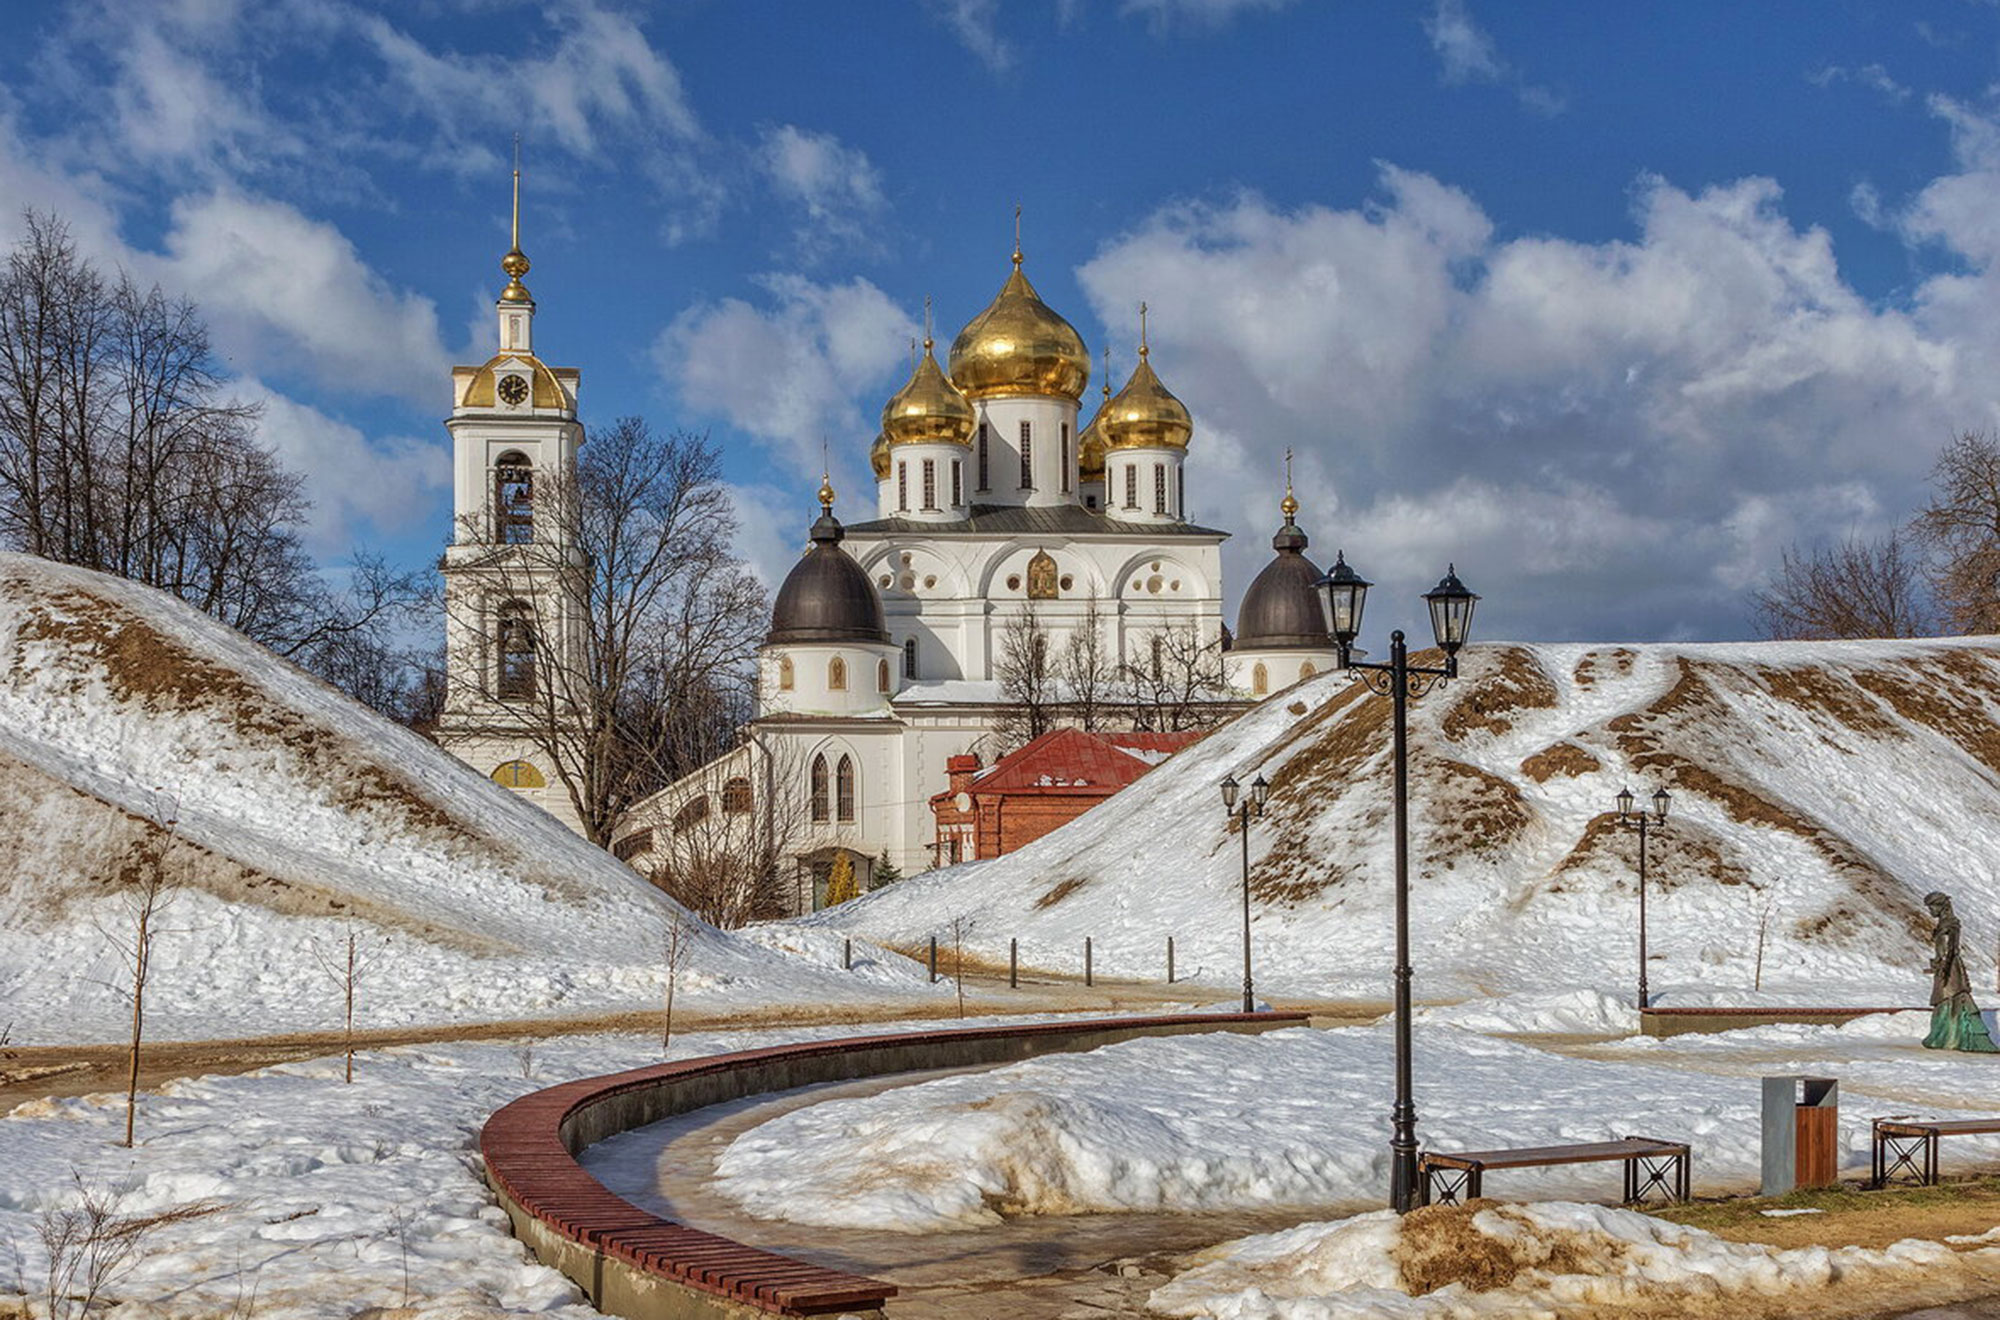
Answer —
1901 1143
1448 1179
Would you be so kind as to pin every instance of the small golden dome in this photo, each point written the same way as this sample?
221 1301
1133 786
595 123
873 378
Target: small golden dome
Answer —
1019 346
1145 414
928 410
878 457
1090 445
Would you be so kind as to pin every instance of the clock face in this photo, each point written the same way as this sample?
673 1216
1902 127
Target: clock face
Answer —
513 391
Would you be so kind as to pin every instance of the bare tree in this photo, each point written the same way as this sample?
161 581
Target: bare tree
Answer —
1960 528
1029 687
1176 682
346 964
1088 673
679 944
717 840
88 1246
624 629
145 888
958 925
1854 589
1764 914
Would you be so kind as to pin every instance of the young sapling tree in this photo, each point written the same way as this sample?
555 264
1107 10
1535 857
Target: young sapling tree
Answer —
345 964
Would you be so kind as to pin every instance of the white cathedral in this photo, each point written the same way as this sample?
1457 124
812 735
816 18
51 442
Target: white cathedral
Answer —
886 638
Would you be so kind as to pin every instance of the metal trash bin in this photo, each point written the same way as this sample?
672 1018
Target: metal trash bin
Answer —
1801 1133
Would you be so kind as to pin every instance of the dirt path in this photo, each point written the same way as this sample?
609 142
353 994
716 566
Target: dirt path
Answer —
30 1072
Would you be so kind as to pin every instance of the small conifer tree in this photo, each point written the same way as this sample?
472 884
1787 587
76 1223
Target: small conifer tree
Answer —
840 886
886 871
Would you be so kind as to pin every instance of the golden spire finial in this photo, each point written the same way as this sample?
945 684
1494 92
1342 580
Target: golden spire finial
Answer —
1144 349
825 477
928 342
515 263
1017 234
1290 505
1107 373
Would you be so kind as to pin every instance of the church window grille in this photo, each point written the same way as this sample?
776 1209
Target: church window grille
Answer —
1159 488
843 779
836 675
902 487
882 675
1260 679
735 796
785 673
1131 485
957 483
691 815
1027 456
910 657
984 484
1180 494
818 796
930 485
517 654
513 500
1065 458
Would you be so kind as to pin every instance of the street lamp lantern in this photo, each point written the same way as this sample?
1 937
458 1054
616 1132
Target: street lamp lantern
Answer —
1260 793
1343 595
1643 823
1229 788
1451 611
1660 801
1624 803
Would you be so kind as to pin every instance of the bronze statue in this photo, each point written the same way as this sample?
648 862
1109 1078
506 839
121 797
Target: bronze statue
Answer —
1955 1020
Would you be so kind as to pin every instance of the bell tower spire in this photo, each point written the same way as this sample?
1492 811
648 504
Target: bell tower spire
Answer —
516 305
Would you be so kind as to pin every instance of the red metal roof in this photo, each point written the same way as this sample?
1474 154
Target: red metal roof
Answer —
1078 764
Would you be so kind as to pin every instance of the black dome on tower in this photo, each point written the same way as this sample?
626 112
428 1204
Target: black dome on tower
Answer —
1282 608
827 597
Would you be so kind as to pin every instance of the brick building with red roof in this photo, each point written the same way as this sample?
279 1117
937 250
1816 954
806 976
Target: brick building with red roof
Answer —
1044 784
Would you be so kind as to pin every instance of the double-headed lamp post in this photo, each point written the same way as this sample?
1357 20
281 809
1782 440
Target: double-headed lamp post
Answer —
1253 805
1640 820
1343 593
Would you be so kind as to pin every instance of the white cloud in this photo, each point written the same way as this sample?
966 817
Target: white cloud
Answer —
1872 76
1163 14
1467 54
1619 435
973 22
837 186
813 363
281 290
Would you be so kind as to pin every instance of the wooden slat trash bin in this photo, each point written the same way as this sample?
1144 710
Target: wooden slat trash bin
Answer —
1801 1133
1447 1177
1906 1144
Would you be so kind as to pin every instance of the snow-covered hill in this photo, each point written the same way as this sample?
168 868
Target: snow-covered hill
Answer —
301 813
1830 784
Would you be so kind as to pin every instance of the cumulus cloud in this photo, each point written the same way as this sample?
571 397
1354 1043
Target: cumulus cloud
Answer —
1163 14
975 24
837 187
1467 54
1614 437
795 369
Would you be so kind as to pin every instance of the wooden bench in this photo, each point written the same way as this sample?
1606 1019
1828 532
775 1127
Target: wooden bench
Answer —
1900 1141
1650 1165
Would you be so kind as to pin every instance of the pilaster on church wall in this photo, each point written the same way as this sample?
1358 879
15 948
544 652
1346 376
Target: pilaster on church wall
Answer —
1046 416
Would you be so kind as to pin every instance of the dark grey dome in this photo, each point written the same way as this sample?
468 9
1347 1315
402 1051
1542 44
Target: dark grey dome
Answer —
1282 609
827 597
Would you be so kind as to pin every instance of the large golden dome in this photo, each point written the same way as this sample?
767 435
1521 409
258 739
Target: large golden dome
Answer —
1019 346
929 409
1145 414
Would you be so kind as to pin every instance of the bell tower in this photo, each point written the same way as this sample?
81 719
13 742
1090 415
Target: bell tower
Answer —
513 625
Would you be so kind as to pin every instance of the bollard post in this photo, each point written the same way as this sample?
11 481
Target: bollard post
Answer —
933 960
847 956
1013 964
1086 960
1170 960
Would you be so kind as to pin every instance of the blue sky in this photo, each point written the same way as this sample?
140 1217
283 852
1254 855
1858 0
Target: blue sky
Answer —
1607 303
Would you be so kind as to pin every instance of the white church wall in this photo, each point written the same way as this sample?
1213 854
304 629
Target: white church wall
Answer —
809 678
1052 480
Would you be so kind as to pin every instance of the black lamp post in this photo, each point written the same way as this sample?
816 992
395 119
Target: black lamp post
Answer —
1253 805
1343 593
1640 821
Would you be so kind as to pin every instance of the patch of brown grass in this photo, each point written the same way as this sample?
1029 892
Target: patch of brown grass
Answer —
1816 691
1440 1246
1675 856
1515 682
1953 694
1062 891
1477 812
1618 662
1563 758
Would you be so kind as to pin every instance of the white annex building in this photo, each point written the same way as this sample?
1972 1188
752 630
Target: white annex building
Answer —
886 640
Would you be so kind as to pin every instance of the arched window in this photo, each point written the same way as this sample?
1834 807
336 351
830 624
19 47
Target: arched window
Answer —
1159 488
736 796
1306 670
844 788
1131 485
633 845
818 803
519 774
517 653
836 674
910 658
1260 679
982 457
693 813
882 675
513 499
784 673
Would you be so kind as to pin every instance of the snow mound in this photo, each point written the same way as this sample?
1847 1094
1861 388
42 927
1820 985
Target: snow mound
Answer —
301 815
1563 1012
1538 1259
1820 790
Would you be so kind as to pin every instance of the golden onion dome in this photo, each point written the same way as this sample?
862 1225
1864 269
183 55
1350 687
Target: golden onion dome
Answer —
1145 414
1090 445
1019 346
928 410
878 457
